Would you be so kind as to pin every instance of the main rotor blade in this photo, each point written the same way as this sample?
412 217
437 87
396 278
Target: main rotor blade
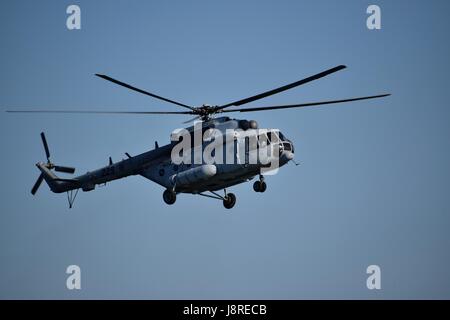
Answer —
44 142
283 88
100 112
123 84
37 184
64 169
305 104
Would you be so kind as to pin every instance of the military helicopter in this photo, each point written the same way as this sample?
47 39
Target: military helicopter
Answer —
200 178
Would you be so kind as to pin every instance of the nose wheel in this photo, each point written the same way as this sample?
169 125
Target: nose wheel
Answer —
169 197
260 185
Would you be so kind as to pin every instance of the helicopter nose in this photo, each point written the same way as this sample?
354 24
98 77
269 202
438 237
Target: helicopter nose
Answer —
287 156
286 152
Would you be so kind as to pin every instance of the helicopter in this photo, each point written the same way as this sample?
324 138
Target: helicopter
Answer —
187 176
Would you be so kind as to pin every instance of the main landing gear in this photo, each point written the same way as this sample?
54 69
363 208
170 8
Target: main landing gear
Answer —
260 185
228 199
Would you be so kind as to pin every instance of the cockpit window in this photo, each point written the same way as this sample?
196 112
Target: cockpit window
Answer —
281 136
272 136
275 136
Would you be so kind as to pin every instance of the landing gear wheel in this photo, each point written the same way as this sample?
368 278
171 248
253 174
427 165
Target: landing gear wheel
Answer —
169 197
229 201
259 186
263 187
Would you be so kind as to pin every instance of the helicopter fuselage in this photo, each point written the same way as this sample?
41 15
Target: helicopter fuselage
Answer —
158 165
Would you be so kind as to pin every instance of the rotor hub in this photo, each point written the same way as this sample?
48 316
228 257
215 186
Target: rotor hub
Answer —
206 111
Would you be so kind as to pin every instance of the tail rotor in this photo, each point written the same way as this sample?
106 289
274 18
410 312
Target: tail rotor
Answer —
49 165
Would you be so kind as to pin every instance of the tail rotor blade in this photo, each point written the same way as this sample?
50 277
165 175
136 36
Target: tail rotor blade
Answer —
44 142
37 184
64 169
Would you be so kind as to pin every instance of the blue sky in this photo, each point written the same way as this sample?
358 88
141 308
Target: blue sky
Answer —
372 187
